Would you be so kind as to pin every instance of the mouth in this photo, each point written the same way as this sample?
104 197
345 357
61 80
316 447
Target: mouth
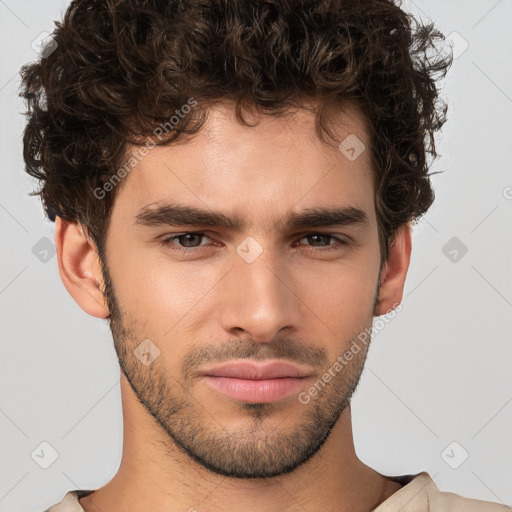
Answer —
253 382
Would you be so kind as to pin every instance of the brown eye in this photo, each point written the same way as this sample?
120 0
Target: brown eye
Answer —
185 241
324 238
315 238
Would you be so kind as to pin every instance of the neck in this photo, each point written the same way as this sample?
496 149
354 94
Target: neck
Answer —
152 478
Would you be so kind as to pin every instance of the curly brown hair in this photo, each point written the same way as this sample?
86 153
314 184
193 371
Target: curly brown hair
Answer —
120 68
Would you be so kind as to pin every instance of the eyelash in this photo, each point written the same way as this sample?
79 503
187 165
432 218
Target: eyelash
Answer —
168 242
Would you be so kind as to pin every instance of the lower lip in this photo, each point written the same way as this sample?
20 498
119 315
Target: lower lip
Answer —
256 391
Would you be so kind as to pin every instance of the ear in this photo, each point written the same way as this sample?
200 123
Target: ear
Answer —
80 267
395 269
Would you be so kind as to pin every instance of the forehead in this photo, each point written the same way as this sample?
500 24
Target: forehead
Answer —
267 168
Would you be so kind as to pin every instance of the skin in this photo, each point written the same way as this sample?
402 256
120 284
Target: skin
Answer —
187 447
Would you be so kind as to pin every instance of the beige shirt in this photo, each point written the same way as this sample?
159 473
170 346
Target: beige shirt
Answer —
419 494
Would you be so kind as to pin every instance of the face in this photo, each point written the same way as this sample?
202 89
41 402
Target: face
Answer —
282 284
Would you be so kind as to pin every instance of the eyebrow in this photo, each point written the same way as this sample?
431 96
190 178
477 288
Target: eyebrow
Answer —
183 215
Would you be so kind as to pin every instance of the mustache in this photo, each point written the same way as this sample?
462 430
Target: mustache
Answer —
279 348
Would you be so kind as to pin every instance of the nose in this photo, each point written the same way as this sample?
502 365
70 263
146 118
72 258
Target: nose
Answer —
258 299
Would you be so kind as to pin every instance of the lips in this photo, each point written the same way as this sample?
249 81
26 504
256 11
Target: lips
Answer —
251 382
257 371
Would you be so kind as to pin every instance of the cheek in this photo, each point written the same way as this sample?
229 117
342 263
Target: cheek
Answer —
160 292
341 295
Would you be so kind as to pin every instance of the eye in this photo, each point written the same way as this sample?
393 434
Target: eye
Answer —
187 239
316 237
191 241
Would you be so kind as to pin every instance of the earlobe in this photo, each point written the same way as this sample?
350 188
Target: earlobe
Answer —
80 268
394 272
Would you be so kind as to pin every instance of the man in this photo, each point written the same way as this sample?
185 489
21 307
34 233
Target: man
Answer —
233 185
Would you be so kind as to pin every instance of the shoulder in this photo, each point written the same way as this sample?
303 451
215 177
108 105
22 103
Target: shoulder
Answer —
420 494
70 502
451 502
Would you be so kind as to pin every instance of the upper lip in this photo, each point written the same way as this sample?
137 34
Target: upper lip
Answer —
252 370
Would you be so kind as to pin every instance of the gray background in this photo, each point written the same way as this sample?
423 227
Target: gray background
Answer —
437 373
